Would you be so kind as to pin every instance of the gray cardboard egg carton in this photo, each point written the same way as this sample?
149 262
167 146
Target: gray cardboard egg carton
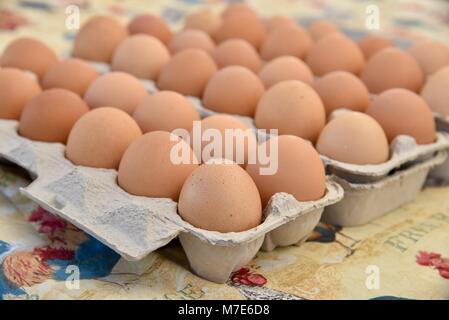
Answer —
441 172
135 226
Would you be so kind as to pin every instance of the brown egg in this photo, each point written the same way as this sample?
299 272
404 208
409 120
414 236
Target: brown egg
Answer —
335 52
237 52
141 55
191 39
151 25
50 115
354 137
28 54
220 197
98 38
285 68
277 21
235 90
12 100
431 55
341 89
147 168
293 108
204 20
285 40
73 74
238 8
243 140
187 72
242 26
403 112
300 171
372 44
116 89
322 28
392 68
165 111
100 137
436 92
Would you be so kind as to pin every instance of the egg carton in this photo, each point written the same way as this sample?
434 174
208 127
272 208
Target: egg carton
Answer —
441 172
365 202
135 226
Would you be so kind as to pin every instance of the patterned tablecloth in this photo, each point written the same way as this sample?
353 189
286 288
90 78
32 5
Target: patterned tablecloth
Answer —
401 255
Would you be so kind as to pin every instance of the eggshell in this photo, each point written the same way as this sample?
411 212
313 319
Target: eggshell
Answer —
152 25
147 168
392 68
322 28
293 108
100 137
220 197
165 111
300 171
238 8
191 39
335 52
240 132
431 55
204 20
98 38
354 137
72 74
141 55
285 68
235 90
372 44
242 26
187 72
50 115
290 40
277 21
341 89
116 89
436 93
403 112
13 100
28 54
237 52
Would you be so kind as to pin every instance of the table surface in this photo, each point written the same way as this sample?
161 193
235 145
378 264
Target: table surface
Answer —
377 260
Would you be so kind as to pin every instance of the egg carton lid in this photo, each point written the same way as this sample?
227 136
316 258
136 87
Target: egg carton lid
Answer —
131 225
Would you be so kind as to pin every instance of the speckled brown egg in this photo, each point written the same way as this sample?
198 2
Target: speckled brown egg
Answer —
12 100
372 44
403 112
237 52
98 38
335 52
436 92
116 89
141 55
29 54
204 20
147 168
285 68
191 39
238 8
431 55
50 115
392 68
322 28
220 197
235 90
293 108
165 111
354 137
188 72
72 74
341 89
300 171
152 25
277 21
100 137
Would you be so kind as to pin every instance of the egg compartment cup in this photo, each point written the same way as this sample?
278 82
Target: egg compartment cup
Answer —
134 226
365 202
441 172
